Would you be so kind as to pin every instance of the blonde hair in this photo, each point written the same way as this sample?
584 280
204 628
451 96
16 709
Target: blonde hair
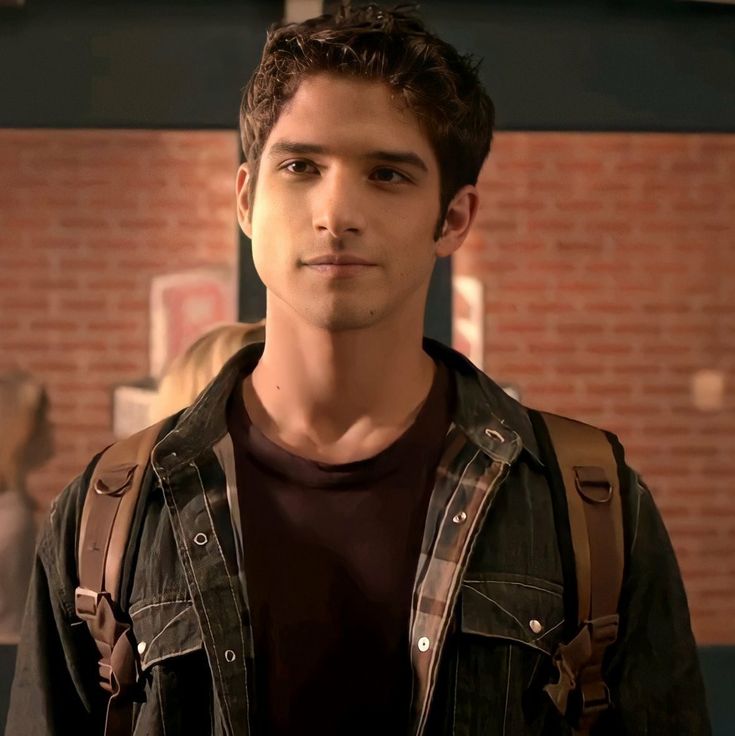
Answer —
23 420
191 371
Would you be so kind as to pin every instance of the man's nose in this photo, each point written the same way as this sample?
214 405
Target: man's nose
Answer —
339 206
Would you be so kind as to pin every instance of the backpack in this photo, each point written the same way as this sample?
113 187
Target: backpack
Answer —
585 466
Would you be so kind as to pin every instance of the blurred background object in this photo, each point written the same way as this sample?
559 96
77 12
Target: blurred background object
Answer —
183 305
191 371
26 443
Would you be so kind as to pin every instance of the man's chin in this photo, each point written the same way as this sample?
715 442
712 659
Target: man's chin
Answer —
344 320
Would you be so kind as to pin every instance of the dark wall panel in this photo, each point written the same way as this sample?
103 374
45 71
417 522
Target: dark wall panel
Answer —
604 66
140 65
549 66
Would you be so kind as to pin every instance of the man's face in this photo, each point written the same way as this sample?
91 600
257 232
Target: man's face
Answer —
346 206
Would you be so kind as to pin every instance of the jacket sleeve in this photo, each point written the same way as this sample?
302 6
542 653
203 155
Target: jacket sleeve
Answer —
55 689
653 671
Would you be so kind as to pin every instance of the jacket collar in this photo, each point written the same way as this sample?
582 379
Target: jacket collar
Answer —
490 418
484 411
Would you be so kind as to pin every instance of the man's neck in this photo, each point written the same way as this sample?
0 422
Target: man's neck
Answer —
337 397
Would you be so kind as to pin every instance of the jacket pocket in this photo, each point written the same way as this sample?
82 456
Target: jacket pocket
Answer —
177 694
517 608
165 629
509 628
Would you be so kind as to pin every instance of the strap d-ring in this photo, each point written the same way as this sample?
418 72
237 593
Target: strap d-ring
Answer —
592 483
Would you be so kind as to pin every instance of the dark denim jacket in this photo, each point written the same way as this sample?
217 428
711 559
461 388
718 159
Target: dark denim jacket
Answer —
489 566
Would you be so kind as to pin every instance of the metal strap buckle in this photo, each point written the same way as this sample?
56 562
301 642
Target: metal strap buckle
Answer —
86 601
603 630
105 673
594 699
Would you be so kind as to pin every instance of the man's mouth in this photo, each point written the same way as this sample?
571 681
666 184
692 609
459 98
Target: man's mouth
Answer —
339 265
338 259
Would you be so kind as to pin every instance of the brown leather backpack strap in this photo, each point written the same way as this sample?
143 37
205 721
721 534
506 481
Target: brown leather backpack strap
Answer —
107 517
590 474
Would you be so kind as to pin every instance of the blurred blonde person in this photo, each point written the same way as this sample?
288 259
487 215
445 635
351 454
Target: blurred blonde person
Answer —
193 369
25 444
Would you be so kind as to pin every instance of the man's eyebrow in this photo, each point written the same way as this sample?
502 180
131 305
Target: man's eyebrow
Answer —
295 148
399 157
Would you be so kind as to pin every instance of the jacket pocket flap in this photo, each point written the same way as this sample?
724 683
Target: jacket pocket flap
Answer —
525 610
165 629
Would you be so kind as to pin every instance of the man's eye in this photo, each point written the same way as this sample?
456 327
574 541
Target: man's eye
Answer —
389 176
300 167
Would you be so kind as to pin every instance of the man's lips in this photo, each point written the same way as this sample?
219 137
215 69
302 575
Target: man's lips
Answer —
339 265
342 259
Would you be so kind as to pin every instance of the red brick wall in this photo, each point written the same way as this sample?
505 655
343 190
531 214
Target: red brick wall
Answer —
608 263
86 219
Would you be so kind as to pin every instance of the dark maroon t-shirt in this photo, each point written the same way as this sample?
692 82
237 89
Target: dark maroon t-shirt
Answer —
330 556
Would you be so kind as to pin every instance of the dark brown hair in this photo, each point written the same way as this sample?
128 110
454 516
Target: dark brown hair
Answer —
439 85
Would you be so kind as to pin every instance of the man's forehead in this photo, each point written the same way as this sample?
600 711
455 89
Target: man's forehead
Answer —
337 114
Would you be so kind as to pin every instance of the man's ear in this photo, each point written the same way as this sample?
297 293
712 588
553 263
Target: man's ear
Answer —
243 199
458 221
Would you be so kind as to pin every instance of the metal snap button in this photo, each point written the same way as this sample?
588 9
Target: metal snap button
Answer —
460 518
536 626
495 434
141 647
230 655
424 644
200 539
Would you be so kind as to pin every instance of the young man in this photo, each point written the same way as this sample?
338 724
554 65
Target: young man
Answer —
351 532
